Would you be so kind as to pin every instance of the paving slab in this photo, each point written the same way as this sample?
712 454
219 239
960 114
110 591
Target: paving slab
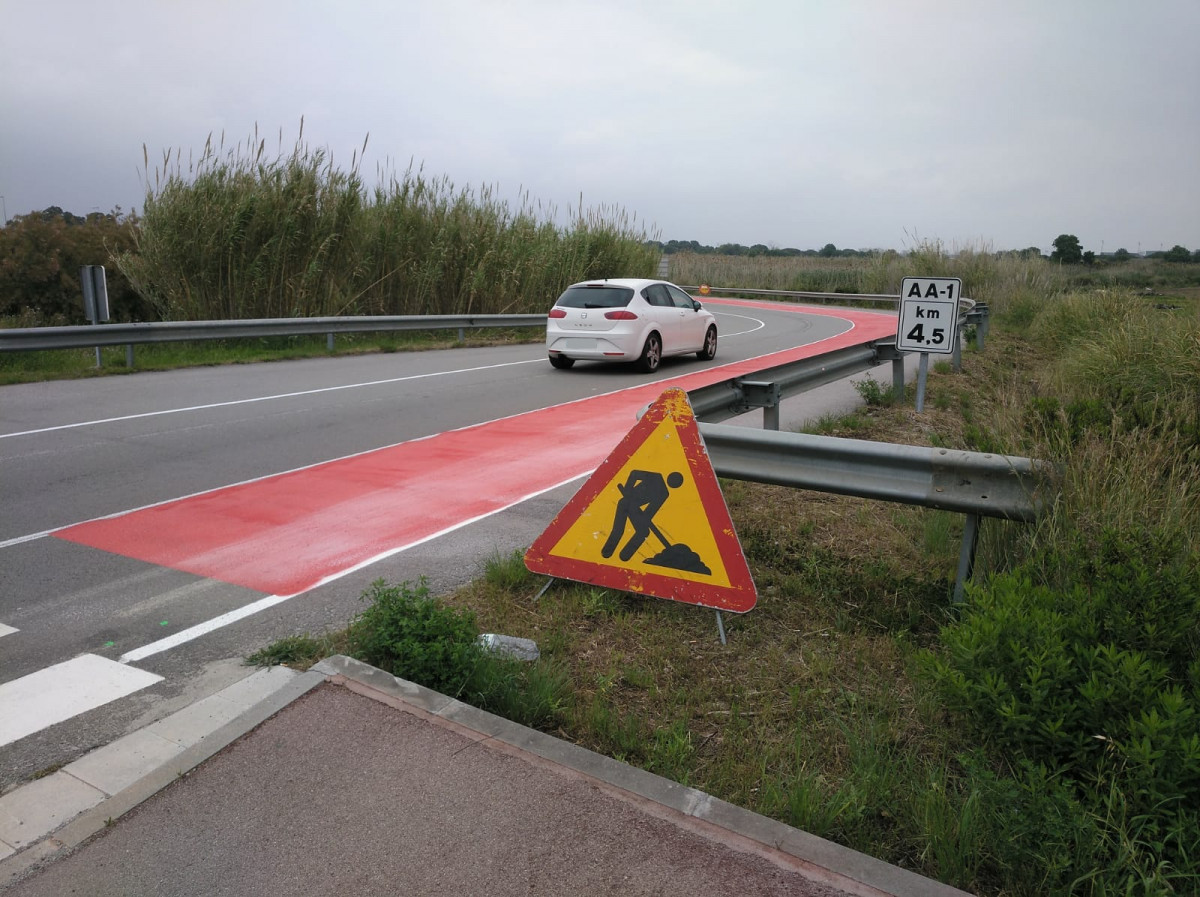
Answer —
362 783
42 806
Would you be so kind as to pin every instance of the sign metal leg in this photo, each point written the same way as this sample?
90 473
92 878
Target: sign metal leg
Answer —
721 627
544 589
922 376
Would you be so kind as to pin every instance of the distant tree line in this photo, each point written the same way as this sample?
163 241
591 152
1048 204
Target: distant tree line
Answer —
40 257
1069 251
670 247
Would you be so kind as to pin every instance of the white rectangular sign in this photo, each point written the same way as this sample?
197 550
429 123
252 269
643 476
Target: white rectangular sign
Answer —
928 314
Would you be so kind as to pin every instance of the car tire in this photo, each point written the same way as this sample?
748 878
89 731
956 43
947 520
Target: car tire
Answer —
709 352
651 354
561 362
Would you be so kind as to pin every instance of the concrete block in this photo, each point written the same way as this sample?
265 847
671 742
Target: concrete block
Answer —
118 765
36 809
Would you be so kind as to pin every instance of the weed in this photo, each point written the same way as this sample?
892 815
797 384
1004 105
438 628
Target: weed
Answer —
873 392
507 571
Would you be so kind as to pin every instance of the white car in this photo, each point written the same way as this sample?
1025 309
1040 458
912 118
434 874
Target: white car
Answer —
642 321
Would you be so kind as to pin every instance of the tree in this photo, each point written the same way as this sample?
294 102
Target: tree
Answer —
829 250
1177 253
1067 250
1121 255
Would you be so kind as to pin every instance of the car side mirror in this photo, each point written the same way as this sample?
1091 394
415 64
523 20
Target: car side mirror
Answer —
696 306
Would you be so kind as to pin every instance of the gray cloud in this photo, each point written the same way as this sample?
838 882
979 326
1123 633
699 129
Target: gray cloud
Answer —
795 124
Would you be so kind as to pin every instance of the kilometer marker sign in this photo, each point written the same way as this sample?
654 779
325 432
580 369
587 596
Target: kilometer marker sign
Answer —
928 314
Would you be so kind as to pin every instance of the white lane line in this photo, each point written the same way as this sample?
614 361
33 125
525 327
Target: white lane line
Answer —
725 314
285 395
7 630
57 693
201 629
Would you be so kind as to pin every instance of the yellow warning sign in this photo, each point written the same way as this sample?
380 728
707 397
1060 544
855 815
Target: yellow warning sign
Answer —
652 519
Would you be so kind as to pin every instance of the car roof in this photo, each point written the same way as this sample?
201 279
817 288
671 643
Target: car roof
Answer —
636 283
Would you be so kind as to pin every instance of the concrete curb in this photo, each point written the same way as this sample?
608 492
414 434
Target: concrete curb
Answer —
817 858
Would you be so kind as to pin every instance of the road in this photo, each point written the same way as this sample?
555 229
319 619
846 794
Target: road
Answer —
159 527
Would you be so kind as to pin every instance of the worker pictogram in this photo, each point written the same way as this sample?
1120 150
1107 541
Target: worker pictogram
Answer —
652 519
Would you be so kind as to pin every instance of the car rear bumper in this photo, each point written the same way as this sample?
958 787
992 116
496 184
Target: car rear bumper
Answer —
586 347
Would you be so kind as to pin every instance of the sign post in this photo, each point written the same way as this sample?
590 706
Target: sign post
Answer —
928 322
95 296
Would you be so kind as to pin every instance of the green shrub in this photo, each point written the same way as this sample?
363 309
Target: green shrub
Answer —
411 635
414 636
1095 687
873 392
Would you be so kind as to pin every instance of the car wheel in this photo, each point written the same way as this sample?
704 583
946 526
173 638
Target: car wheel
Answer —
561 362
651 354
709 351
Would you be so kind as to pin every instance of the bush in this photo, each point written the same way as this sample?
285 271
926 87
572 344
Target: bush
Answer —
410 634
1096 687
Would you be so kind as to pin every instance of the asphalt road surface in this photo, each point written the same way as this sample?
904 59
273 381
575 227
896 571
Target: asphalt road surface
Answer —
158 527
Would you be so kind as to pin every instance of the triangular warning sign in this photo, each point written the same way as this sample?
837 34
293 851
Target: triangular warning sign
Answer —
652 520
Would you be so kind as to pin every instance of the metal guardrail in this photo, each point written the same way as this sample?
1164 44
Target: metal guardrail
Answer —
989 485
802 294
976 484
767 388
30 338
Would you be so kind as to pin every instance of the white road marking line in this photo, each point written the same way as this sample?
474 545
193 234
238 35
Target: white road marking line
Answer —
201 629
59 692
726 314
286 395
7 630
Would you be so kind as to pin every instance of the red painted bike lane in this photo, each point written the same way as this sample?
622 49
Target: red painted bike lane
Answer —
284 534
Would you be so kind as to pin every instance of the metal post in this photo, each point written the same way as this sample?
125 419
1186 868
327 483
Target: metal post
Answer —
770 417
329 342
966 556
97 356
462 338
129 355
981 330
956 358
721 627
898 378
922 375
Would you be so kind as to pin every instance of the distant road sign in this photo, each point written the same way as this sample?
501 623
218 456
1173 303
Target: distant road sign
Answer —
652 520
928 314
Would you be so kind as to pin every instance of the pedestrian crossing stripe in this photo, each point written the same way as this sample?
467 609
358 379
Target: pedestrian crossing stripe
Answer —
651 519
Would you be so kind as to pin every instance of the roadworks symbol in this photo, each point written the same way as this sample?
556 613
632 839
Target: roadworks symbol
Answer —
652 520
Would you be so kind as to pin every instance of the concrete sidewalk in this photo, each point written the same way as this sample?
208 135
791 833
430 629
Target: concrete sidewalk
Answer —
345 779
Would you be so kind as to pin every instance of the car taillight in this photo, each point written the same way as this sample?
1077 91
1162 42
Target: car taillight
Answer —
557 313
622 315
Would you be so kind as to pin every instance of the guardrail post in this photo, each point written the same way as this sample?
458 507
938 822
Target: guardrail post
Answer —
966 555
981 328
462 336
956 357
129 355
329 342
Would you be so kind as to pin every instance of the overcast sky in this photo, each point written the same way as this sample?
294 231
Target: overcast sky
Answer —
865 123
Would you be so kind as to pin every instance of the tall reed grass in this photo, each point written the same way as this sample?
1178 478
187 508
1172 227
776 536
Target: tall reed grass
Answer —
238 233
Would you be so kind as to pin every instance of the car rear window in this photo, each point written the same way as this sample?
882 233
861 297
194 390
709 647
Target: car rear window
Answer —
595 297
